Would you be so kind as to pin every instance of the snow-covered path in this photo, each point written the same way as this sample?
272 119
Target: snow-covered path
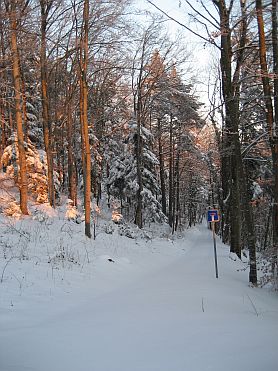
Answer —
177 317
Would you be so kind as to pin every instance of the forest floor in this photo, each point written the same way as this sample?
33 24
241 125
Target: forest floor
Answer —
149 303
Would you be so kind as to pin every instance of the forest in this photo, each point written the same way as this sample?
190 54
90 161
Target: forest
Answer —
99 106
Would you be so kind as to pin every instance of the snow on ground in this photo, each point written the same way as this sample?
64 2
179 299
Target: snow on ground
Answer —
121 304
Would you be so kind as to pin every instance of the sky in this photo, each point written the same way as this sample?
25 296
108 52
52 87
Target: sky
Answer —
201 54
172 8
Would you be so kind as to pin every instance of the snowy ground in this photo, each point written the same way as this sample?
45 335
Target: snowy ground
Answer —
156 306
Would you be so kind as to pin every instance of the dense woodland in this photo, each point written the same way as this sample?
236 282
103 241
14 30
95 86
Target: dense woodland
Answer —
98 103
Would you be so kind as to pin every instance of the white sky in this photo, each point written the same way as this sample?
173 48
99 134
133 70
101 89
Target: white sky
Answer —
201 55
172 8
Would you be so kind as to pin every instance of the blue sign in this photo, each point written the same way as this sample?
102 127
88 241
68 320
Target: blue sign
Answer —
213 215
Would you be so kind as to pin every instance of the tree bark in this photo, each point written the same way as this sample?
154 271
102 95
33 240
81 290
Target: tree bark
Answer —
246 200
171 171
275 133
161 169
139 205
3 130
231 144
177 180
84 118
18 110
45 8
269 112
72 176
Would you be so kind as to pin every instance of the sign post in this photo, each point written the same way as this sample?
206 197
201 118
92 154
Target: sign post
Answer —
213 217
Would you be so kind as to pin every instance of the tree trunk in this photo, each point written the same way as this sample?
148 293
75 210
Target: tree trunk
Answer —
139 204
3 130
72 176
24 108
231 144
18 110
45 7
249 226
272 130
275 133
84 118
177 182
171 181
161 169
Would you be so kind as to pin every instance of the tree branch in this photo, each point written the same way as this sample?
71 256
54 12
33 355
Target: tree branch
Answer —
210 41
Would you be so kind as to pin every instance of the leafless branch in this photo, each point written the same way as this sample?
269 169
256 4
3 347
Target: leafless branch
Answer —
210 41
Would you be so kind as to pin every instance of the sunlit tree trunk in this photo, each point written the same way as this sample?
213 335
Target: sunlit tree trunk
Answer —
45 8
3 129
84 118
72 176
23 185
24 108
